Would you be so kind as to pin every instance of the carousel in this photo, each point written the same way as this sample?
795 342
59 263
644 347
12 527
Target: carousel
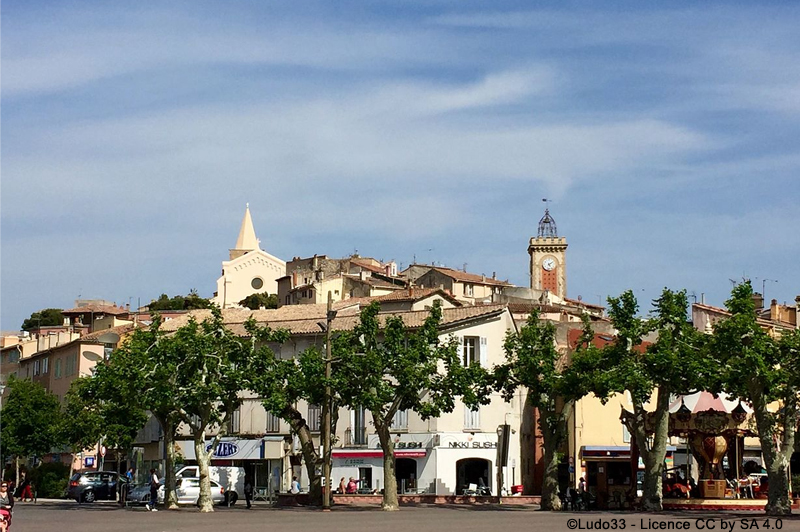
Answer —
716 473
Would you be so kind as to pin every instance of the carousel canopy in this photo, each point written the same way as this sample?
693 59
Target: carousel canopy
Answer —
704 401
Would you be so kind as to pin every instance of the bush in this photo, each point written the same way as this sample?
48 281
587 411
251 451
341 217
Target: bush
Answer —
796 486
50 480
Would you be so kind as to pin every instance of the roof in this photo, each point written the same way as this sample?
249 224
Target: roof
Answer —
459 275
600 340
367 265
305 319
97 309
91 338
724 312
583 303
416 294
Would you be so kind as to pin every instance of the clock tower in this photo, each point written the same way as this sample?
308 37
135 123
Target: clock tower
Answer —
548 253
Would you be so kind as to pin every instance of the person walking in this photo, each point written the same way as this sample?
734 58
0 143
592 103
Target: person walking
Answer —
153 490
248 490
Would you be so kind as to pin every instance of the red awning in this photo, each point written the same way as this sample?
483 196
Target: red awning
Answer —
359 453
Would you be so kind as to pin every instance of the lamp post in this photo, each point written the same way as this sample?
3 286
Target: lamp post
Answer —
326 411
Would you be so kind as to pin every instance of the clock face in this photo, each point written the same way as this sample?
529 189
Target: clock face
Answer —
548 264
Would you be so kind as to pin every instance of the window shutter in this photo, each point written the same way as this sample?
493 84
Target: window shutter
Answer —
460 349
483 352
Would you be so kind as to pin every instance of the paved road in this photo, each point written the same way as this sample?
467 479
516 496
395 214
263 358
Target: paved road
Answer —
67 516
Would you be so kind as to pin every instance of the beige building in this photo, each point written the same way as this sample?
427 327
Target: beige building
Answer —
308 281
441 455
249 270
467 287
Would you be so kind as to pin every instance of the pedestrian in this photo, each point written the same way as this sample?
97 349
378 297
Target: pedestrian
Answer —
126 489
352 486
295 485
342 486
6 506
582 486
153 490
248 490
24 489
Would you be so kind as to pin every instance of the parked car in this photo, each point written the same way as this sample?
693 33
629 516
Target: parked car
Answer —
187 489
93 486
231 477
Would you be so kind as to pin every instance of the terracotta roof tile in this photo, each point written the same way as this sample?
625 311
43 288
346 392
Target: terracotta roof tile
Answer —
305 319
458 275
107 309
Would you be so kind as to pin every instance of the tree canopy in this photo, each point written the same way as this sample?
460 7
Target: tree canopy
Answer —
31 419
257 301
188 302
49 317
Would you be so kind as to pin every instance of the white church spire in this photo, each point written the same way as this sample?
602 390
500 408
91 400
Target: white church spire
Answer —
247 240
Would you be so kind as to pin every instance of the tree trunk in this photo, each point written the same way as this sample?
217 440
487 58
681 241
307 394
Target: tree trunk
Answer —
170 497
311 457
553 427
776 454
204 501
390 502
652 493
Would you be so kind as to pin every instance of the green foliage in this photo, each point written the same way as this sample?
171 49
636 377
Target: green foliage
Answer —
396 368
31 417
50 480
188 302
44 318
256 301
674 360
101 407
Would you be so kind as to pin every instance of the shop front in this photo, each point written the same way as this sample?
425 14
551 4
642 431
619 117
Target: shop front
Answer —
264 459
464 460
612 476
366 466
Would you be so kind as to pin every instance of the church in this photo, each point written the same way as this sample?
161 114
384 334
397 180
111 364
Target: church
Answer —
249 269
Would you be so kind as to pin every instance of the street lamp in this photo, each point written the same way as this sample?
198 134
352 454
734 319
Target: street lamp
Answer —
326 411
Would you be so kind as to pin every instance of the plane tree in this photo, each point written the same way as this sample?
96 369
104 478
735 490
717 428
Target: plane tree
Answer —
651 373
535 364
394 367
764 371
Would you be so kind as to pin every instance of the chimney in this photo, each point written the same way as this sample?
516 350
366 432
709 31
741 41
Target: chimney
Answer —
410 290
494 275
294 278
702 298
758 300
483 278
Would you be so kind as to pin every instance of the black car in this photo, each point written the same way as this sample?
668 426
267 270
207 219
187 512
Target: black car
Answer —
93 486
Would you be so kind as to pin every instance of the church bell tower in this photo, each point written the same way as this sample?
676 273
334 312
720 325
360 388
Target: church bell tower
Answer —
548 253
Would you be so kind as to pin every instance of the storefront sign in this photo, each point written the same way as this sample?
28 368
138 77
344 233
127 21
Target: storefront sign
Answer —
238 449
472 445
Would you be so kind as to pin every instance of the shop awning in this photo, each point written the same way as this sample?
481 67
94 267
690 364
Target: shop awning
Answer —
611 452
377 453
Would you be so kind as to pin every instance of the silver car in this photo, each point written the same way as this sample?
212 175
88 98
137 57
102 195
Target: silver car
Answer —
187 489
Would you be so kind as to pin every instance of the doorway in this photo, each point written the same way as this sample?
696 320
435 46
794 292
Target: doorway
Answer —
473 471
406 472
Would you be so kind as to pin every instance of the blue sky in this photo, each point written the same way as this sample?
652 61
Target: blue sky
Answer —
133 134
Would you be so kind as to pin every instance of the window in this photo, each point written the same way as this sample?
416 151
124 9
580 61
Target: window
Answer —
626 435
45 364
257 283
468 289
400 420
472 418
314 418
360 426
273 423
57 368
107 350
70 364
36 367
236 418
469 351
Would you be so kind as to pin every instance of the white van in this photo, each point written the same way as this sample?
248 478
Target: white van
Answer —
231 478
